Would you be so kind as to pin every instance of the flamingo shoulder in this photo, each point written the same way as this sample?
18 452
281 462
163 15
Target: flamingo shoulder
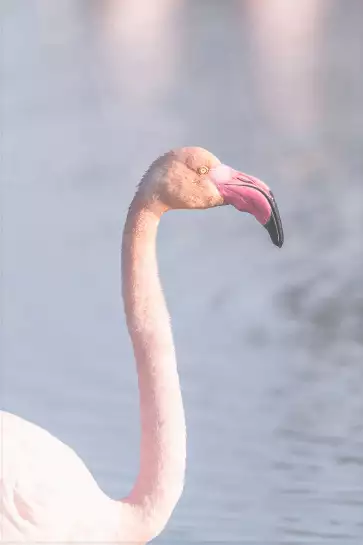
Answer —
47 491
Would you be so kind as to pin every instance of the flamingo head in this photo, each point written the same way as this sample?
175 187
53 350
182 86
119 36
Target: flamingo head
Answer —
193 178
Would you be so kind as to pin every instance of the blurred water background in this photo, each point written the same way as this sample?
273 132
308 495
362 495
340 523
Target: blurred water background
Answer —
269 341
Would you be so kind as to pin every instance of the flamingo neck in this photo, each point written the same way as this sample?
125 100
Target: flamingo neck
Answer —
163 443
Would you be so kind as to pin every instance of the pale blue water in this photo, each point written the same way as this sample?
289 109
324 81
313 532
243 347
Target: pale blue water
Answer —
269 341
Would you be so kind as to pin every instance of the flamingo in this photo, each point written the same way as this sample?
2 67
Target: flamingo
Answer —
47 492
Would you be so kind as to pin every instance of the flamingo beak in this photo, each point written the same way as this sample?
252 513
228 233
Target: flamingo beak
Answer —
274 224
249 194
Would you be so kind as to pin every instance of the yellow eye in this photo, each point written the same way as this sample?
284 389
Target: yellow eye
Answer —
203 170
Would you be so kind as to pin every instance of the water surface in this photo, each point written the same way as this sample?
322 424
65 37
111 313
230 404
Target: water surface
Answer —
269 341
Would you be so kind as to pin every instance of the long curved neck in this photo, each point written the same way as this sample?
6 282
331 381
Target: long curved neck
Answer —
163 440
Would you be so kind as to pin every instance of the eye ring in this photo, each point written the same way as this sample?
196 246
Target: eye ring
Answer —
203 170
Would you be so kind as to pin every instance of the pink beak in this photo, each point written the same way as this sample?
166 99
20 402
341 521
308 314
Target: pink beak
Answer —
249 194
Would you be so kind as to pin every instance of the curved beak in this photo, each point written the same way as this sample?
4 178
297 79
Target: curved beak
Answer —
274 224
249 194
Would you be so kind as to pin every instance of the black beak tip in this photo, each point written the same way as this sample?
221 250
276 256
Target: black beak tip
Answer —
275 231
279 243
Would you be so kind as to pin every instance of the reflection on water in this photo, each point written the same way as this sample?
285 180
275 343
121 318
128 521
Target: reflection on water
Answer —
269 342
287 37
139 42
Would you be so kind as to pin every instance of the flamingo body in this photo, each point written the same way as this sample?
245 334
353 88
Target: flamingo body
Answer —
47 491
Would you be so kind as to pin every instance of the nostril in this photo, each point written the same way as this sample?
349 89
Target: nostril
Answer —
245 178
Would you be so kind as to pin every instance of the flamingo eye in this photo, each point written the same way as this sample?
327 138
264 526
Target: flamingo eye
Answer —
203 170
